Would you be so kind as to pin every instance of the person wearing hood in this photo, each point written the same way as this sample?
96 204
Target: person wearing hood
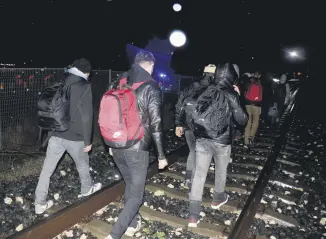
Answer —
76 140
215 112
133 162
183 116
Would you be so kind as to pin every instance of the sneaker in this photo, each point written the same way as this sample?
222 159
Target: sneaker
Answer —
251 141
245 146
218 204
40 209
193 221
187 184
96 187
131 231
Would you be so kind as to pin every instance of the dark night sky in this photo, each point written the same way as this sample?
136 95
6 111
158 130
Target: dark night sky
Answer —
252 33
52 33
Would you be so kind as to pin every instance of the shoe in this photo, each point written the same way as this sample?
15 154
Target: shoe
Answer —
187 184
40 209
246 146
108 237
251 141
96 187
131 231
193 221
219 203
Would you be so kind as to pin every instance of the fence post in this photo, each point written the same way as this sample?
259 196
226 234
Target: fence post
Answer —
110 76
1 140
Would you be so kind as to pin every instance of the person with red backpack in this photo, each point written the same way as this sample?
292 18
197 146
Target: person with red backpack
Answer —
129 118
253 98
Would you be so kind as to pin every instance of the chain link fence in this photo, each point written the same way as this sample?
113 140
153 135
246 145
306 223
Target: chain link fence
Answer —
19 92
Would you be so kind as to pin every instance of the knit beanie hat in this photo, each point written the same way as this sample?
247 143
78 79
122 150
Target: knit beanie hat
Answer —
83 65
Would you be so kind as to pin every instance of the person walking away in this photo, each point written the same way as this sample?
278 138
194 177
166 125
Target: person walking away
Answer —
139 95
283 94
215 111
273 114
183 112
70 130
253 97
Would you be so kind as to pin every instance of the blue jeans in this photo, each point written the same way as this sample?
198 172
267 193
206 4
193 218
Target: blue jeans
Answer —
191 160
133 166
205 150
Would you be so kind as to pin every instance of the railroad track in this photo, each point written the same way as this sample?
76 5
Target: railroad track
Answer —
165 201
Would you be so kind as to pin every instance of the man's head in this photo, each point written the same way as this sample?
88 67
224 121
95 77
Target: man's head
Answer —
146 60
257 75
83 65
209 70
283 78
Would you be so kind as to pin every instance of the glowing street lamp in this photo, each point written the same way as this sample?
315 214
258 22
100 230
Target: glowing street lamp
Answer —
294 54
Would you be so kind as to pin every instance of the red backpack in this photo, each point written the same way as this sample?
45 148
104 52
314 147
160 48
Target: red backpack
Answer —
119 118
254 93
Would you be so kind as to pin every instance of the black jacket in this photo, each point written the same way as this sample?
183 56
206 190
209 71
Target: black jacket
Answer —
81 110
149 101
224 80
179 120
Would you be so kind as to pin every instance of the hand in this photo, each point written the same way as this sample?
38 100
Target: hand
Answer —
110 151
236 88
162 163
88 148
178 131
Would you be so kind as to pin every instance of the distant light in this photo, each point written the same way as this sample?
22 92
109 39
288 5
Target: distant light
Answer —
162 75
177 7
177 38
293 54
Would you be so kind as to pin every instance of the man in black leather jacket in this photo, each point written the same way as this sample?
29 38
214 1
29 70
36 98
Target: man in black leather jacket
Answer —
133 162
181 123
219 148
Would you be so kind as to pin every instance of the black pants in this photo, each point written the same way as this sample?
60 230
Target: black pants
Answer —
133 166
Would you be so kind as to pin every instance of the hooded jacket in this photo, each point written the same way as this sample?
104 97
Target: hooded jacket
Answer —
149 102
225 77
179 118
81 110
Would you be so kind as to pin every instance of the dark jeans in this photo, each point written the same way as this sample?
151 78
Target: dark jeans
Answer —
133 167
191 160
205 150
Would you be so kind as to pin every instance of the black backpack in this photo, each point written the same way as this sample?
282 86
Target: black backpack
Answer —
211 117
54 109
189 104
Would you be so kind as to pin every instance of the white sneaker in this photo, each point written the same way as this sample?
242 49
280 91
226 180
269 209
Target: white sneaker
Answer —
131 231
40 209
96 187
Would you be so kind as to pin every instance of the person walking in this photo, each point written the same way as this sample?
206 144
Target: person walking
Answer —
76 139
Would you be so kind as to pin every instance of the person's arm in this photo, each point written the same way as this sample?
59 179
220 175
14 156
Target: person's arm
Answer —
86 111
178 110
155 120
239 115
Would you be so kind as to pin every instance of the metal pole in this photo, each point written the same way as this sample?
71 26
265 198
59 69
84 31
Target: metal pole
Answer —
110 76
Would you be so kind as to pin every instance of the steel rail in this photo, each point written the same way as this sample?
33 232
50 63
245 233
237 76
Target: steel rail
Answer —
249 211
69 216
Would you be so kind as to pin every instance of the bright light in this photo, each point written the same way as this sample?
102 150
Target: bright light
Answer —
294 54
177 7
276 80
162 75
177 38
